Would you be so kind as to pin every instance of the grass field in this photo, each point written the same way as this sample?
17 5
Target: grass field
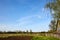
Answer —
29 38
44 38
8 35
25 37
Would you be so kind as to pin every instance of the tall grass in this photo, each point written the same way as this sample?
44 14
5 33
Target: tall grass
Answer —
44 38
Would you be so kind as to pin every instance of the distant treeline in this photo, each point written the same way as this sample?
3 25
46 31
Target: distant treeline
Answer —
15 32
9 32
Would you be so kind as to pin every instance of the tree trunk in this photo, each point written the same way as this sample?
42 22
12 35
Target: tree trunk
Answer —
57 24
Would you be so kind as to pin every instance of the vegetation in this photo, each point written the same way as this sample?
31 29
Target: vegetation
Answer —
26 36
44 38
54 7
52 26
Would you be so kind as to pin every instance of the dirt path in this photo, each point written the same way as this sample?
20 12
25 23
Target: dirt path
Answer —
17 38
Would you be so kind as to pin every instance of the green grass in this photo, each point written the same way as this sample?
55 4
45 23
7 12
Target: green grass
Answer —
44 38
8 35
35 36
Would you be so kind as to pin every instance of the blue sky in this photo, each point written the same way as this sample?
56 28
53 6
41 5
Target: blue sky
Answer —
24 15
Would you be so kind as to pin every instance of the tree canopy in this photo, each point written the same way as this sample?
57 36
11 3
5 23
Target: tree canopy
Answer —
54 7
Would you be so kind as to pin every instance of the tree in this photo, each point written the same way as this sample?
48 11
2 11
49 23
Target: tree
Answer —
30 31
26 31
52 26
54 7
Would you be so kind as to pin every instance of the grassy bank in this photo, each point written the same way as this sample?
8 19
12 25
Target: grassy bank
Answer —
44 38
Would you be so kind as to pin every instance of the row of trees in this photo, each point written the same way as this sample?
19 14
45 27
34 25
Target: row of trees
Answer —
17 31
54 7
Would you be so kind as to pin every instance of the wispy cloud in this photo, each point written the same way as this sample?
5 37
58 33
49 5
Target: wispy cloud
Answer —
24 23
29 21
11 10
29 17
9 27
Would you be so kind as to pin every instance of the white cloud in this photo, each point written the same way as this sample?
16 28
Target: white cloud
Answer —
24 23
3 27
28 17
8 27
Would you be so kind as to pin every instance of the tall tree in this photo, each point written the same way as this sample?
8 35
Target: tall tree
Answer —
54 7
52 26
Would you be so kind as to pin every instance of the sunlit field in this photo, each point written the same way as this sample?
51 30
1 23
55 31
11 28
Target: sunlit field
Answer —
26 37
44 38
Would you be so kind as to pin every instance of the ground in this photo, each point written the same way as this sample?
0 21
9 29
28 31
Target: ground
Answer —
26 37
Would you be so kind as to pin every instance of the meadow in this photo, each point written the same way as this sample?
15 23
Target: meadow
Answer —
26 37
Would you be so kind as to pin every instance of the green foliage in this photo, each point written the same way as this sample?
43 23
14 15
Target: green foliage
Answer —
54 7
44 38
30 31
52 26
